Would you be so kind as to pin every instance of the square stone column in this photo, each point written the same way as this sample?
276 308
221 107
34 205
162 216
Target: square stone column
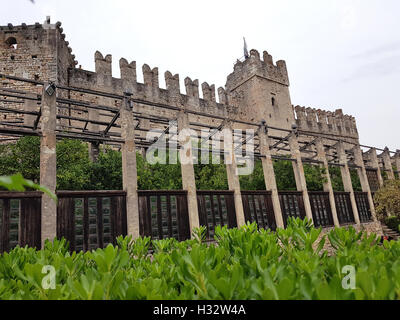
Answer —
346 178
373 157
30 106
321 156
129 169
397 162
48 161
187 169
232 175
269 174
299 173
362 174
297 178
387 162
94 147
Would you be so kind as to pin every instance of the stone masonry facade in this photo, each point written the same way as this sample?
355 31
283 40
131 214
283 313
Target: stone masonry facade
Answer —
257 88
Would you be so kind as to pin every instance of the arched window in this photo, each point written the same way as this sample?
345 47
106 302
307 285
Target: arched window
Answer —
12 43
273 101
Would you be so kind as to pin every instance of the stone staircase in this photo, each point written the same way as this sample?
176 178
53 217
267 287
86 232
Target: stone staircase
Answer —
390 233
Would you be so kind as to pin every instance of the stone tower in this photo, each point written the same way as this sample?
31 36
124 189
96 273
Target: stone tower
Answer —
37 52
259 89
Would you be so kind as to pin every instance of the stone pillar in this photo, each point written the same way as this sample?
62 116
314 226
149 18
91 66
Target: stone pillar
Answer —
233 177
48 163
321 156
362 174
143 152
299 171
94 151
30 105
346 177
129 170
144 124
94 147
269 174
296 176
397 162
375 164
387 163
187 169
103 68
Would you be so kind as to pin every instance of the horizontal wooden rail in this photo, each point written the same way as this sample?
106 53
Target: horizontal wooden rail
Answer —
215 192
95 193
20 195
162 192
251 192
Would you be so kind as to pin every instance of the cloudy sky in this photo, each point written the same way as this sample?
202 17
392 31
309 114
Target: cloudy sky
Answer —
340 53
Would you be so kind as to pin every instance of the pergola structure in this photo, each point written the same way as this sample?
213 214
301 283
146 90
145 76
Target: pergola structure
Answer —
45 111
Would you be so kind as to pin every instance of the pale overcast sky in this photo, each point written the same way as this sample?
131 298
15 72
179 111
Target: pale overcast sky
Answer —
340 53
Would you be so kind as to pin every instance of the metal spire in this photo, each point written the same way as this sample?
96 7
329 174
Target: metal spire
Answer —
246 52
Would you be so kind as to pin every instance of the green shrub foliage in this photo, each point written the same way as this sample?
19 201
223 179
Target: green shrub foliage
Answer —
393 223
244 263
387 200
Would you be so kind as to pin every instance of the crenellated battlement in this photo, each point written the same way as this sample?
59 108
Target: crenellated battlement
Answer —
192 88
322 121
208 92
150 88
255 66
257 89
172 82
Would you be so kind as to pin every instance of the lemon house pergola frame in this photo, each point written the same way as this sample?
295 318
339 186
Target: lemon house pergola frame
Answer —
91 219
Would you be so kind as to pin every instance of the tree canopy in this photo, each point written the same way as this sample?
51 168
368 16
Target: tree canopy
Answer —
76 172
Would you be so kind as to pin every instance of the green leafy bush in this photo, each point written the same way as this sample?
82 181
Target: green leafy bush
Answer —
387 200
244 263
393 223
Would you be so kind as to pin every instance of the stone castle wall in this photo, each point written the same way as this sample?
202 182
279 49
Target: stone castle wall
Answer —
326 122
257 89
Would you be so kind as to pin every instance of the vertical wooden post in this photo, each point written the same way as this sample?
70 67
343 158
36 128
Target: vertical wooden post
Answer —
187 169
233 177
346 177
387 163
48 161
269 174
321 155
362 174
129 170
299 171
